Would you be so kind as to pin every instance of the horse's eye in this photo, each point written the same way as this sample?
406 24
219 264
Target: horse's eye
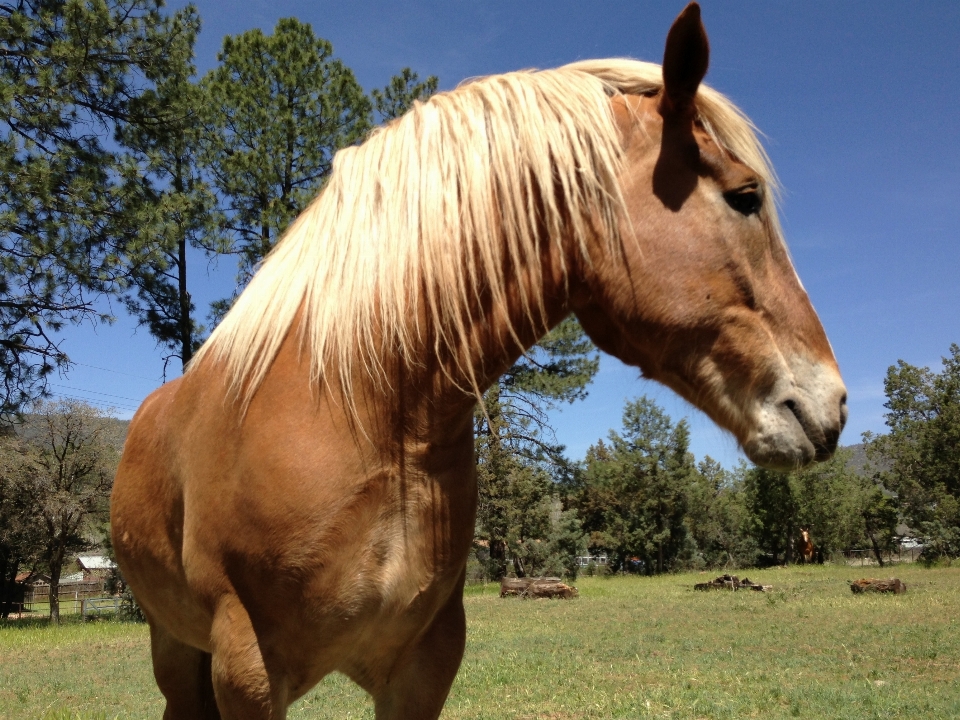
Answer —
745 200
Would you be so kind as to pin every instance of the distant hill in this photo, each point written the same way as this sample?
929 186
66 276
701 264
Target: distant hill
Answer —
859 462
858 457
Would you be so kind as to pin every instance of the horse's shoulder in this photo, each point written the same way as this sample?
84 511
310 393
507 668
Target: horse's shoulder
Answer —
154 406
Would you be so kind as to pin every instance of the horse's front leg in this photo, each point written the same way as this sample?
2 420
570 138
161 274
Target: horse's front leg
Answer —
183 675
418 686
244 689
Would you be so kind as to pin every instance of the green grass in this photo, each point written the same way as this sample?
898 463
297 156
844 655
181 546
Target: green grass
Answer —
627 648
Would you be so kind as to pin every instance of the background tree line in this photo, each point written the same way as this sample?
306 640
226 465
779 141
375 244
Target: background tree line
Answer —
640 498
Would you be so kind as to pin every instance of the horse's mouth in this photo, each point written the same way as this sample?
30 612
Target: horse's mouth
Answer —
798 430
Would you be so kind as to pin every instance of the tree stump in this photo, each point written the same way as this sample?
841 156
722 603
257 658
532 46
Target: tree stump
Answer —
890 585
544 587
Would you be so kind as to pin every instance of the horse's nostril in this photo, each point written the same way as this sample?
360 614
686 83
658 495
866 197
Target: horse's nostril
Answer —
831 439
792 406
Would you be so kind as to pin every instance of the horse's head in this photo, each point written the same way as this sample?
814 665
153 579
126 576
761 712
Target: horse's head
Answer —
703 296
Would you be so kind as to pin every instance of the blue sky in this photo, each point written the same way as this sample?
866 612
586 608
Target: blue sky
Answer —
860 106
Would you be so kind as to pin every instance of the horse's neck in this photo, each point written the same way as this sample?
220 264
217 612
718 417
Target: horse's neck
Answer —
437 395
502 334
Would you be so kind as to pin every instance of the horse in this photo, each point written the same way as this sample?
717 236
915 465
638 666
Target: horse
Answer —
806 546
302 500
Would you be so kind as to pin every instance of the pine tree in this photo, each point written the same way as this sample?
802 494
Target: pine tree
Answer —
518 458
633 490
178 208
71 72
279 108
921 453
403 91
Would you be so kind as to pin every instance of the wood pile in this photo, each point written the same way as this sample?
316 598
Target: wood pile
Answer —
732 582
890 585
542 587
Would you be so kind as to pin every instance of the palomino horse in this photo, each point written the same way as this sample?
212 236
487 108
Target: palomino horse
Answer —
806 546
302 501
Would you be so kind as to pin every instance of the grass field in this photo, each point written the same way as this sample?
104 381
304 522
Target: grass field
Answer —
627 648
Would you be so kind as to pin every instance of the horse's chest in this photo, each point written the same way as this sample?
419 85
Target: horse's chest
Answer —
387 544
385 563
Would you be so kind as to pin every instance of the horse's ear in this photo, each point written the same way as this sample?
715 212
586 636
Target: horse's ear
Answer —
685 61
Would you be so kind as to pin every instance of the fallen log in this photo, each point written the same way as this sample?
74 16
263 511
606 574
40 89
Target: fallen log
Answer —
746 584
890 585
731 582
551 590
513 586
543 587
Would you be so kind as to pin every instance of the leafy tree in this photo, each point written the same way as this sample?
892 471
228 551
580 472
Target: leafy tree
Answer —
921 453
515 448
773 510
69 462
280 106
19 527
178 208
632 493
70 73
398 97
717 515
842 509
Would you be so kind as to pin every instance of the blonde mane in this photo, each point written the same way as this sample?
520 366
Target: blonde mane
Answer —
420 221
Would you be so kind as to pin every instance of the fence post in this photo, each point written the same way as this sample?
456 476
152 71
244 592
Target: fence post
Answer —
83 610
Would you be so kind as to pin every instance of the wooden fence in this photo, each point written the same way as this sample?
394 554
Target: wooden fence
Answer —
897 555
85 607
40 593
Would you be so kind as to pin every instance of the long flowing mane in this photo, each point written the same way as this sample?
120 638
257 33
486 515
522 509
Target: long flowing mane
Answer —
431 212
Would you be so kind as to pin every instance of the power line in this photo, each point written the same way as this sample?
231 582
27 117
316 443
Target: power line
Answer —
115 372
95 392
100 403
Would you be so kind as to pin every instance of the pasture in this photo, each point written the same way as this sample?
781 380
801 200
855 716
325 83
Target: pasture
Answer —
629 647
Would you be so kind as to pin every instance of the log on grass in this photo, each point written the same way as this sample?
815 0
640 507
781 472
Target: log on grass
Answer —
724 582
747 584
551 590
513 586
731 582
544 587
890 585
